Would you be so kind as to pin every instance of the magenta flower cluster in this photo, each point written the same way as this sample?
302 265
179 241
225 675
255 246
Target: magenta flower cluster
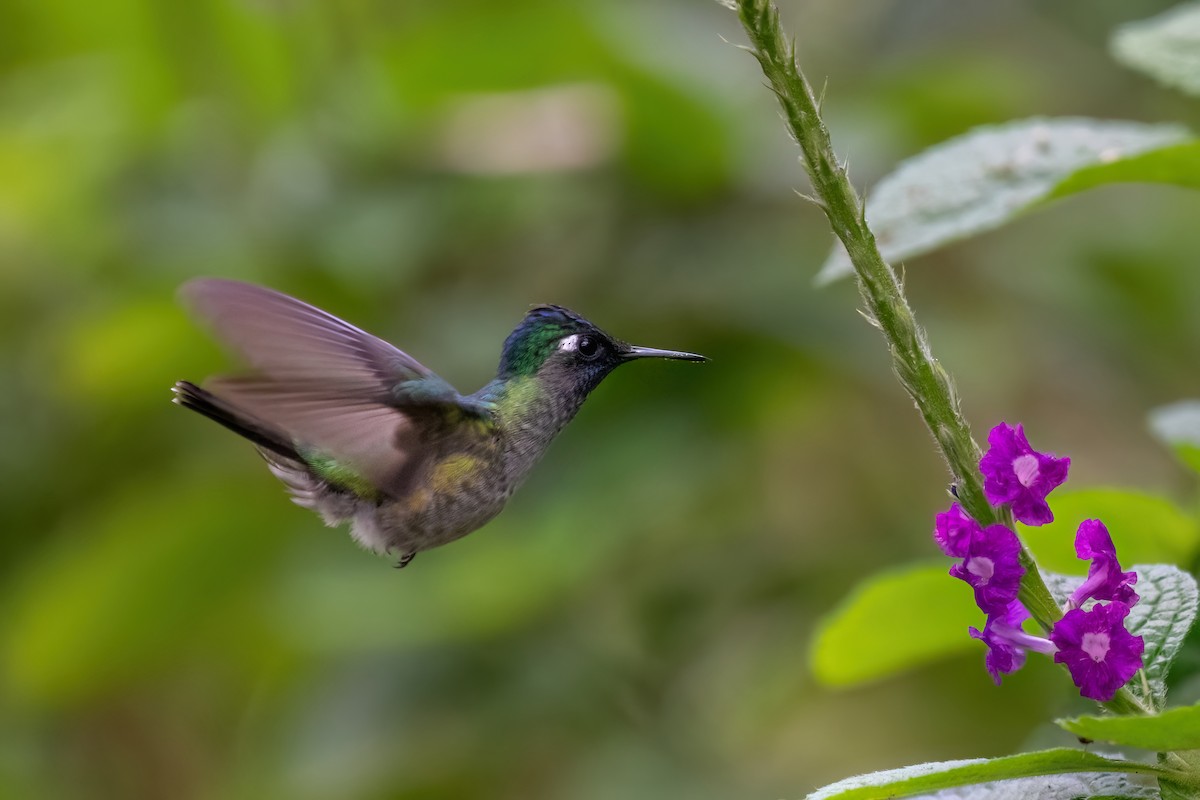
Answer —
1094 644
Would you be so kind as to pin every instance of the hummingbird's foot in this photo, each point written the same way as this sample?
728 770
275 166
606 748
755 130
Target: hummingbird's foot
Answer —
405 559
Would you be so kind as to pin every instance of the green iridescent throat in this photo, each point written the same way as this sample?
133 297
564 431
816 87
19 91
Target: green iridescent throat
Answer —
517 398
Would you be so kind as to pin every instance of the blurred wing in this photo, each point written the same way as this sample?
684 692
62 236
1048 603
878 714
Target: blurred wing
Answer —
382 444
332 387
284 338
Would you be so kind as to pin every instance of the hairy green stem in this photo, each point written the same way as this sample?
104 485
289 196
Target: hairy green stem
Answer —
919 372
887 308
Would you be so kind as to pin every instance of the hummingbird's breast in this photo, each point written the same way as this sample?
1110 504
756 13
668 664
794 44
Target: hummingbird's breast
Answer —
457 491
530 415
473 472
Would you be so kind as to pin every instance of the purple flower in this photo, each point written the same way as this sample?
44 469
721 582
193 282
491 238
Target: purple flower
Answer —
1006 641
1015 473
1099 653
992 566
953 530
1105 580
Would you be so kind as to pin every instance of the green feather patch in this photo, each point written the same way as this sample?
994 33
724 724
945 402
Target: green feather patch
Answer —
339 475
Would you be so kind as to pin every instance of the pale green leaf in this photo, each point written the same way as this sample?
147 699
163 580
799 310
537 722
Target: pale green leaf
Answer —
988 176
1174 729
1178 165
1171 790
1163 617
1166 47
924 779
1090 785
1145 528
860 640
1178 427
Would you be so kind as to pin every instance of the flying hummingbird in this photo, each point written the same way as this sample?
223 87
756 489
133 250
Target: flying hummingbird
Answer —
361 432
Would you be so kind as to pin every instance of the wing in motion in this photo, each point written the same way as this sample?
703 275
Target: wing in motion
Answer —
323 385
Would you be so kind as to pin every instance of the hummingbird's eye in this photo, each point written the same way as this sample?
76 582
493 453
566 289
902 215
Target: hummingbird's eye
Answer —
588 347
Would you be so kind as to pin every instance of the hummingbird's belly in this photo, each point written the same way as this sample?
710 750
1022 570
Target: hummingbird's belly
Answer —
458 495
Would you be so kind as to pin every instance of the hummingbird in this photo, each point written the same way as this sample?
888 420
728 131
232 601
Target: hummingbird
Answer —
361 432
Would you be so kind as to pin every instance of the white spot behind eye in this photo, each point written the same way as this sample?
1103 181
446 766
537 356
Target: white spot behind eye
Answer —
569 343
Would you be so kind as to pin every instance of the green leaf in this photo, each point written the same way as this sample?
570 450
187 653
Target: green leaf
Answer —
1166 47
1171 790
1163 617
1178 427
851 646
1174 729
1090 785
1178 165
990 175
926 778
1145 528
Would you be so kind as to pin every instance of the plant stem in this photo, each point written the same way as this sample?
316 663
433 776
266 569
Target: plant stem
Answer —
919 372
921 375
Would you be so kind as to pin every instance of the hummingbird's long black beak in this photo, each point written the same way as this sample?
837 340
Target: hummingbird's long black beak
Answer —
630 352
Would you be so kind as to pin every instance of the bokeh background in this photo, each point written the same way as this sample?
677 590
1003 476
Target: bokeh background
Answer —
637 623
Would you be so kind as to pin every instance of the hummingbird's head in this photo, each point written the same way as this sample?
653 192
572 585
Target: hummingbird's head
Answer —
563 349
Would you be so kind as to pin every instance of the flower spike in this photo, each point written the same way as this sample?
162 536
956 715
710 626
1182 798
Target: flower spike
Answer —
1015 473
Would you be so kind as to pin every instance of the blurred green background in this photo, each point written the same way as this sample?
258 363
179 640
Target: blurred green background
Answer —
636 624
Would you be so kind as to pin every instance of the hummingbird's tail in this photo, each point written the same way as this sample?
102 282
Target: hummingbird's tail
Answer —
189 395
335 504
